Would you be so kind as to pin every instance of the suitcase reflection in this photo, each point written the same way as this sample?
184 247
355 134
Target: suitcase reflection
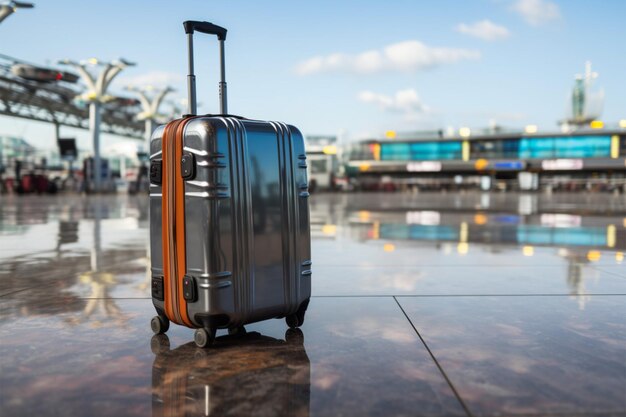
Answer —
242 374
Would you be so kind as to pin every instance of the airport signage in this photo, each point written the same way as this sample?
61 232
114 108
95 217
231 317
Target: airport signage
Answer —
562 164
560 220
424 218
424 166
508 165
67 148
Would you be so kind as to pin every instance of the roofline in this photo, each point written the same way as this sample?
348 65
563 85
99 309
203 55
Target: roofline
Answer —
503 136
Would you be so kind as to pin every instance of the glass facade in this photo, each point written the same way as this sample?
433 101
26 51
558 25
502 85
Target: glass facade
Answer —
418 232
318 165
489 148
420 151
587 146
579 236
520 234
565 147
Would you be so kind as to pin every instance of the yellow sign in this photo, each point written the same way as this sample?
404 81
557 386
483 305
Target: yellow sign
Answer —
364 215
376 151
330 150
481 164
465 150
463 232
594 255
530 129
596 124
462 248
480 219
375 229
615 146
390 134
611 235
329 229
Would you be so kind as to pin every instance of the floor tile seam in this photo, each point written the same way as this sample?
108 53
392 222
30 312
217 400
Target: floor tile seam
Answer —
611 413
512 295
2 298
114 298
606 271
481 265
443 373
461 295
25 289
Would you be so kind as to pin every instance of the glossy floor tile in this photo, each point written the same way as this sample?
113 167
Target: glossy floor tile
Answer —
97 357
618 271
528 355
506 290
518 203
576 280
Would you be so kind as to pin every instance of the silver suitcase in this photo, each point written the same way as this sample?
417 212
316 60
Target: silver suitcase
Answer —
229 218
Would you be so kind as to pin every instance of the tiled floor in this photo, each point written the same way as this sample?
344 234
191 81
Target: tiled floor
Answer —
423 305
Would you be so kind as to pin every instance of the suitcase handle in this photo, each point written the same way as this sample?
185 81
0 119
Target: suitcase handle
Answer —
210 29
205 27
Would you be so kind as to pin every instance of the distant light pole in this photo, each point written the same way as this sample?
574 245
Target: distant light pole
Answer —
96 95
150 98
10 7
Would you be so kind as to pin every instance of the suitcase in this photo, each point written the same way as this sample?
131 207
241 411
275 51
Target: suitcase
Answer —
244 375
229 218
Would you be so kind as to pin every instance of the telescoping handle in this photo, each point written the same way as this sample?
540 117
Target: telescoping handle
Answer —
211 29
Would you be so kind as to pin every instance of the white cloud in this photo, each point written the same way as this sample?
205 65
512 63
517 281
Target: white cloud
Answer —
485 30
404 101
537 12
405 56
159 79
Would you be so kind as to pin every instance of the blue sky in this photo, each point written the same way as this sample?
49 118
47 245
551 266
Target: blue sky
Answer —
361 67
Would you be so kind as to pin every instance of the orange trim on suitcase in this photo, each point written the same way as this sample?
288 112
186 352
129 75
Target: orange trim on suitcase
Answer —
165 237
179 200
173 223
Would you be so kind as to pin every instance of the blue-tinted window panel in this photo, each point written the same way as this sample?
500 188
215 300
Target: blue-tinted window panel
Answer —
418 232
565 147
395 152
420 151
578 236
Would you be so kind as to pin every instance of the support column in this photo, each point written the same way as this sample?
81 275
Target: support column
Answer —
149 123
94 129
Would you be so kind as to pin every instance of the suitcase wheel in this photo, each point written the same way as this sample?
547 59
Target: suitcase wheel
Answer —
294 337
159 324
159 344
293 321
204 337
237 331
297 319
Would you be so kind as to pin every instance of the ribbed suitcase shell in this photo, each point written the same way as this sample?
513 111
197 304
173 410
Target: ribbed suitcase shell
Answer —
247 236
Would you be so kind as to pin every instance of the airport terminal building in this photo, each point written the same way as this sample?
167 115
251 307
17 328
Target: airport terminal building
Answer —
590 159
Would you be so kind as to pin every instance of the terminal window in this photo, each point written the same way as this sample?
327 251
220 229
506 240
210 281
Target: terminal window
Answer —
318 166
417 151
565 147
494 149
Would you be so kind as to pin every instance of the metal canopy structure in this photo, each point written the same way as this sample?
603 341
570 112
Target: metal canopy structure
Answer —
54 103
